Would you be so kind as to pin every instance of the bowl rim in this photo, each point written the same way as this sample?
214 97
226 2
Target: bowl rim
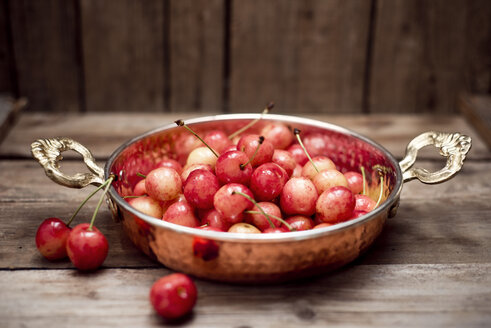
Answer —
241 237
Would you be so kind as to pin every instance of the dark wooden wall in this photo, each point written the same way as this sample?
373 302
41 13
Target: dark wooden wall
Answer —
355 56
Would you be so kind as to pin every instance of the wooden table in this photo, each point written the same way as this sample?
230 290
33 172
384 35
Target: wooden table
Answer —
431 266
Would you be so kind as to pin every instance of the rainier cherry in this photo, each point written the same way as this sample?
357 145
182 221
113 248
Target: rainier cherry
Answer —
231 205
51 238
284 159
318 164
213 219
355 181
298 197
300 222
298 154
188 169
163 184
249 145
181 213
336 204
173 296
267 181
364 203
200 187
256 218
217 140
329 178
233 167
139 189
242 227
278 134
171 163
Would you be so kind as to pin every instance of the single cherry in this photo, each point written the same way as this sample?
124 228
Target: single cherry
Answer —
171 163
213 219
258 152
217 140
87 247
231 205
355 181
298 196
173 296
242 227
51 238
190 168
202 155
329 178
284 159
139 189
318 164
233 167
336 204
298 154
300 222
257 218
364 203
267 181
163 184
181 213
200 188
278 134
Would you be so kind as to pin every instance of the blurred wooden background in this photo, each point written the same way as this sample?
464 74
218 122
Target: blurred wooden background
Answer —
359 56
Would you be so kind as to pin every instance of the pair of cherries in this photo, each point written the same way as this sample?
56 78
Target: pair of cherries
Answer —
84 245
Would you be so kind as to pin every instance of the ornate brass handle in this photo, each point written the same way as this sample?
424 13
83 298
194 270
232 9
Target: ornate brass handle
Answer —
453 146
48 154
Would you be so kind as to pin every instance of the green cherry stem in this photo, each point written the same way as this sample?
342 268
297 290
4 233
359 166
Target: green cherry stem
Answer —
131 196
274 217
181 123
364 180
259 207
251 123
260 141
107 184
84 202
381 191
141 175
296 132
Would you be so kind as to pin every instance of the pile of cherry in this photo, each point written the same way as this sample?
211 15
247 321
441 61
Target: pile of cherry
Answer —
251 183
242 183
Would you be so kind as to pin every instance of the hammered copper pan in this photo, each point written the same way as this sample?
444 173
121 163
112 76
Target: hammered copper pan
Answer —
254 258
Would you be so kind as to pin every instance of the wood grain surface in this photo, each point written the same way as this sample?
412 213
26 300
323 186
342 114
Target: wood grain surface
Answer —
417 65
438 295
308 55
46 58
123 51
196 40
430 267
109 131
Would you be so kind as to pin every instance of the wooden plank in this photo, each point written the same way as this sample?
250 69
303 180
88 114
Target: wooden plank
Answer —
392 131
9 112
418 65
47 68
368 296
306 56
7 86
477 47
477 110
196 55
451 218
123 51
21 220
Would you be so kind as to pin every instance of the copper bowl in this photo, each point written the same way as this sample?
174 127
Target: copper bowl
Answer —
254 258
